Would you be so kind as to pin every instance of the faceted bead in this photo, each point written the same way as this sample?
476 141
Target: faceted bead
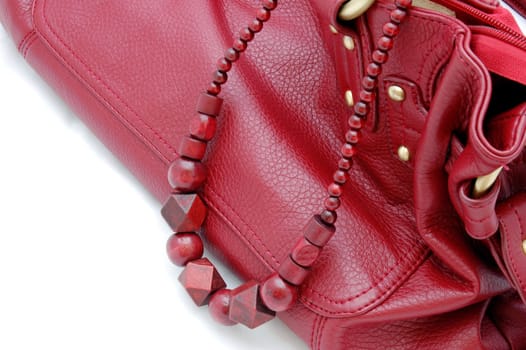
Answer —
368 83
367 96
356 122
391 29
380 57
329 217
385 43
332 203
317 232
214 89
292 272
305 253
219 307
203 127
340 177
360 108
398 15
345 164
270 4
184 212
201 279
353 136
219 78
246 34
192 148
374 69
277 294
209 104
335 190
348 150
224 65
256 25
184 247
247 308
263 15
186 175
403 3
239 45
231 55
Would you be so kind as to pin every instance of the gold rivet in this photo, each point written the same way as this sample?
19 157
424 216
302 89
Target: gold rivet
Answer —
396 93
349 98
524 246
348 42
403 153
333 29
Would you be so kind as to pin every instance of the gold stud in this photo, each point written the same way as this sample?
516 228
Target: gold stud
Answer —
349 98
524 246
396 93
333 29
403 153
348 42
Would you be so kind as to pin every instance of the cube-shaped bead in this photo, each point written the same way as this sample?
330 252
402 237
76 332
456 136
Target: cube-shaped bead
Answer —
201 279
184 212
247 308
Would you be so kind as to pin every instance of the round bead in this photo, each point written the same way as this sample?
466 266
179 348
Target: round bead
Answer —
340 177
356 122
224 65
263 15
391 29
219 307
246 34
277 294
192 148
361 109
270 4
379 57
368 83
329 217
374 69
367 96
203 127
220 77
231 55
403 3
186 175
214 89
335 190
345 164
398 15
385 43
239 45
255 26
348 150
184 247
332 203
353 136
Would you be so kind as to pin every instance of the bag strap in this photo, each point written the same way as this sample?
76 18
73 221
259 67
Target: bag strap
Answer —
253 304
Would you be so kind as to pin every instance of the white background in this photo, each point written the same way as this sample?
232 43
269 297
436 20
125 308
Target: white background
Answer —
82 244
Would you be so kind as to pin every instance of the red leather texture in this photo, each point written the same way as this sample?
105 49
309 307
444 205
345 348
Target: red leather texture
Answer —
408 278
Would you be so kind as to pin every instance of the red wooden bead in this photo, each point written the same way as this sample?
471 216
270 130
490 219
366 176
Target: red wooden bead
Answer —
379 57
231 55
263 15
214 89
335 190
361 108
317 232
391 29
356 122
184 212
224 65
329 217
348 150
345 164
368 83
305 253
220 77
385 43
332 203
403 3
353 136
203 127
192 148
256 25
292 272
219 307
398 15
247 308
201 279
340 177
239 45
246 34
367 96
209 105
374 69
270 4
184 247
277 294
186 175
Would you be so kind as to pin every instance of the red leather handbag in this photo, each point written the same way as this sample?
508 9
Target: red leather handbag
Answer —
414 115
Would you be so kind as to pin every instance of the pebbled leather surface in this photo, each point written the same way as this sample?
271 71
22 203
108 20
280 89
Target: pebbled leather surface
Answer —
280 131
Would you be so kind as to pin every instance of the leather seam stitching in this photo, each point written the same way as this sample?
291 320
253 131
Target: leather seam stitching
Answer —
512 259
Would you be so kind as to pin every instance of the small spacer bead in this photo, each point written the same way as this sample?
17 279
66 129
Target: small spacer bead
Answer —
345 164
369 83
398 15
374 70
263 15
361 109
356 122
277 294
367 96
214 89
332 203
317 232
192 148
246 34
292 272
224 65
220 77
385 43
209 104
353 136
335 190
231 55
270 4
219 307
329 217
340 177
203 127
239 45
403 4
391 29
379 57
184 247
255 26
186 175
348 150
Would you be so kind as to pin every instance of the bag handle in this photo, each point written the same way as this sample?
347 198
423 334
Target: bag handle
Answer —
253 304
